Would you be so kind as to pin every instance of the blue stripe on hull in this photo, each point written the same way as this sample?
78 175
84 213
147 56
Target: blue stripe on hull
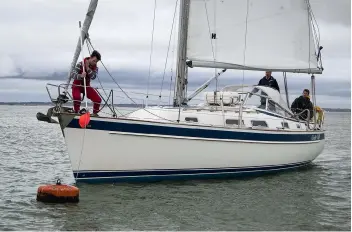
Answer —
184 174
198 132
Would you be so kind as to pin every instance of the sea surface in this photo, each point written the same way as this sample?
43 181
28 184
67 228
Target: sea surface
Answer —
33 153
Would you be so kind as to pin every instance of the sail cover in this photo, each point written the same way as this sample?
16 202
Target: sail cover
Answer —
252 35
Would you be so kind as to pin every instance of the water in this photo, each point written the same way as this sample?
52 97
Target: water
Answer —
33 153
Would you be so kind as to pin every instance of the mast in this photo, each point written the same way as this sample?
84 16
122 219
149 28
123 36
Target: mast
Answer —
86 24
181 81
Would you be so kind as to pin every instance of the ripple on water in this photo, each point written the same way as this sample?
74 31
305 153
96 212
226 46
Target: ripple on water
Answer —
34 153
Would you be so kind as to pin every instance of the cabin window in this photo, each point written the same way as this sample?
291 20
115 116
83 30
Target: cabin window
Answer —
298 126
285 125
190 119
233 122
259 123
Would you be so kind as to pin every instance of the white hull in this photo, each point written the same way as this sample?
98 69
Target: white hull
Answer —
120 156
235 131
213 140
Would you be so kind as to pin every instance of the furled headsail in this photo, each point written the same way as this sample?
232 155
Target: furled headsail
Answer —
86 24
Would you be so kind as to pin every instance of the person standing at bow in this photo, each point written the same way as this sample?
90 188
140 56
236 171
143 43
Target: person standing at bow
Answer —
91 72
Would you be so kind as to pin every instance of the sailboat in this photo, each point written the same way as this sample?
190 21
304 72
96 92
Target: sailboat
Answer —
239 130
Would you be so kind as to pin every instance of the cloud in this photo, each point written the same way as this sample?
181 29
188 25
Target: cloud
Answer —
335 12
40 38
329 94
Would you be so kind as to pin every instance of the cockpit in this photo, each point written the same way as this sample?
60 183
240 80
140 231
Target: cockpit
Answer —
260 97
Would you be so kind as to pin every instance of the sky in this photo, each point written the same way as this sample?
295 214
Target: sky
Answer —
39 37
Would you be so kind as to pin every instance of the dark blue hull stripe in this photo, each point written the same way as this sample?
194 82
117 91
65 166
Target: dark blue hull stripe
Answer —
167 172
119 126
157 175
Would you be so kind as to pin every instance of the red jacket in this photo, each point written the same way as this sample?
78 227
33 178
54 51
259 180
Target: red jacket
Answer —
91 75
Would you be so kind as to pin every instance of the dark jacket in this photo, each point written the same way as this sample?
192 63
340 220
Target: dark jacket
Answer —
271 82
301 103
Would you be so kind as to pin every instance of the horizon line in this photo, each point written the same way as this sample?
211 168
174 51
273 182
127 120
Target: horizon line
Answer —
129 104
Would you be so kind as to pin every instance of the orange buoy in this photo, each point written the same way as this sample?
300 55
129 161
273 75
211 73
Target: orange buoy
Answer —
84 120
58 193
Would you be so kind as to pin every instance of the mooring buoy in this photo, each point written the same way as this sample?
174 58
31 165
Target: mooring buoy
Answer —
58 193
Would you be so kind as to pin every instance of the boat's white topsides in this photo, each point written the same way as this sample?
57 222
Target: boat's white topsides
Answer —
224 108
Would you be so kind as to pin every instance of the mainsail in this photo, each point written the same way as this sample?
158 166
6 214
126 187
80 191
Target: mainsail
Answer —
86 24
252 35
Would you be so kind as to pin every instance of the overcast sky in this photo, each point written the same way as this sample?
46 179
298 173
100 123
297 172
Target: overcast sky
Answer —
39 37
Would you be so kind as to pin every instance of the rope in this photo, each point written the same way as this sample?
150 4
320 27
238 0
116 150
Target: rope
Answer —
80 156
101 85
151 50
210 34
113 79
309 20
317 34
167 53
172 65
316 31
211 42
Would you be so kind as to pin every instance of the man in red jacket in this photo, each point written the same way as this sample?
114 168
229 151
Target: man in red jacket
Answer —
91 72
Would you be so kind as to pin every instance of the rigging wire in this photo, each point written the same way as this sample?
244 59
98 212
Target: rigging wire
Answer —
316 32
172 65
167 53
151 51
314 22
101 85
210 34
216 47
113 79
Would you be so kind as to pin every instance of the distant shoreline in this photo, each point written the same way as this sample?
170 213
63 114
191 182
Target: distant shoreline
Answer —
50 103
133 105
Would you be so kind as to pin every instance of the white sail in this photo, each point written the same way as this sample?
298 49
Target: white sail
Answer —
86 24
275 35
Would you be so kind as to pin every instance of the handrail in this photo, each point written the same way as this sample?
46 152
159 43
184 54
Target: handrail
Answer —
65 96
267 101
243 97
308 116
66 93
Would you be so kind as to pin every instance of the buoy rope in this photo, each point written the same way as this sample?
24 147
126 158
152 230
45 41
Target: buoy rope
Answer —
80 156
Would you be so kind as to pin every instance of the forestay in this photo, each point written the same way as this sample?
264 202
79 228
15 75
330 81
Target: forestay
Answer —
263 35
